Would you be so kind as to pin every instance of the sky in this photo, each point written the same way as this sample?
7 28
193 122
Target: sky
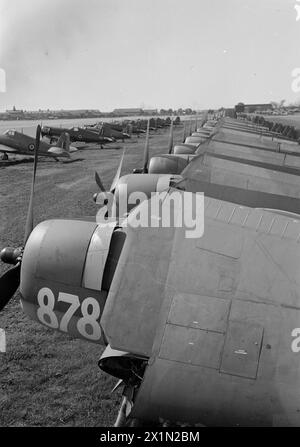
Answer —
106 54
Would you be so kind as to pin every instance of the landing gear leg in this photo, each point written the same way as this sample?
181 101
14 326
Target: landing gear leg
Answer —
123 418
4 157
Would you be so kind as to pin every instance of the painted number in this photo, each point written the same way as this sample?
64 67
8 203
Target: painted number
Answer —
74 302
45 312
296 342
87 325
91 312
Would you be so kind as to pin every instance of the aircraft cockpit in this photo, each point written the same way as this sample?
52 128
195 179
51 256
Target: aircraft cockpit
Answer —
10 132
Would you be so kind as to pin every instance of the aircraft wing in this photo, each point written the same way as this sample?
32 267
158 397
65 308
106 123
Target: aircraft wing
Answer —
214 313
246 171
4 148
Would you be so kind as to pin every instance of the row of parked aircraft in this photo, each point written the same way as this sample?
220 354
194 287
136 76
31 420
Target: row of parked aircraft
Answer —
59 138
199 331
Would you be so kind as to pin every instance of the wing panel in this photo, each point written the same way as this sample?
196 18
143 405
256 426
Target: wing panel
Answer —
192 346
200 312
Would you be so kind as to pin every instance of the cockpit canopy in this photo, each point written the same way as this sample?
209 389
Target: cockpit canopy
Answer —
10 132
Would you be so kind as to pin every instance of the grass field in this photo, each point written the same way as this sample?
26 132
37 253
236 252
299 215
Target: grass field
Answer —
47 378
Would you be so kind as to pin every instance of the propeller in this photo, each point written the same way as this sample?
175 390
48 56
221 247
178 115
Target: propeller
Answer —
114 182
190 128
9 283
99 183
10 280
146 150
170 145
118 173
184 131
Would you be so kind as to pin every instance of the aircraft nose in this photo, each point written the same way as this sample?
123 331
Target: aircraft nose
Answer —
45 130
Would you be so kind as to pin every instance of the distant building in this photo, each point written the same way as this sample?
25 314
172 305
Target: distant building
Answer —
150 111
127 112
14 111
15 114
250 108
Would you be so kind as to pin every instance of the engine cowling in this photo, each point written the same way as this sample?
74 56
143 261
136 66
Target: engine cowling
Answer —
133 186
167 164
184 149
67 269
195 140
201 133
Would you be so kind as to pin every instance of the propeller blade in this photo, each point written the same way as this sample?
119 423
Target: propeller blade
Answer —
184 131
9 282
29 219
118 173
146 150
99 183
170 146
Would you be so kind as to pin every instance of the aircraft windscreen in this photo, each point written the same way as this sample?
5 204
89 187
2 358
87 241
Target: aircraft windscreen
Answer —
10 132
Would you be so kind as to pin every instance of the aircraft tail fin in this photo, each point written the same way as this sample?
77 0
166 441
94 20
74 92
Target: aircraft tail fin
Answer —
64 142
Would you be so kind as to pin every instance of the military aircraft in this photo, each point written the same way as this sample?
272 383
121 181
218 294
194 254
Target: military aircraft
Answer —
108 130
18 143
78 134
199 330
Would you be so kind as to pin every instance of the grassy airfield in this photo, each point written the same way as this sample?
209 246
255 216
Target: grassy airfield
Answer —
48 378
